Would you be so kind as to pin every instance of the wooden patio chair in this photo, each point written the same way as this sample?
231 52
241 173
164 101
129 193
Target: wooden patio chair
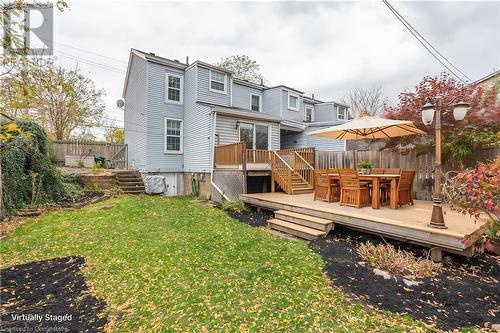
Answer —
405 187
384 186
392 171
352 192
325 187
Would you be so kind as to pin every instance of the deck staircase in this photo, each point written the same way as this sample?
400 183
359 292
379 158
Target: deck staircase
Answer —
300 225
292 173
130 181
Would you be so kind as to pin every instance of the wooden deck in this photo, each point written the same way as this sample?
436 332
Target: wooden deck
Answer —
407 223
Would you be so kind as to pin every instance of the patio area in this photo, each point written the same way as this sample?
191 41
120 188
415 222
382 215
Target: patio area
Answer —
408 223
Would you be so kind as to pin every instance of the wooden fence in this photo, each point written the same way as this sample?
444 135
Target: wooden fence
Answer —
423 164
116 153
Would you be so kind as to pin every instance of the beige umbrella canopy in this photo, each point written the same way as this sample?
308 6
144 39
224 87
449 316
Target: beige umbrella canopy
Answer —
369 128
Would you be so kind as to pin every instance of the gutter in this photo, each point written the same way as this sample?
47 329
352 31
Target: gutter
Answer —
214 125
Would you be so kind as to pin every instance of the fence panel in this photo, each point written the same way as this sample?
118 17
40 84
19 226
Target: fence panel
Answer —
114 152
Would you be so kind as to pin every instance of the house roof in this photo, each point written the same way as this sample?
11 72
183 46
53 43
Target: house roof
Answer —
242 113
487 77
286 87
249 84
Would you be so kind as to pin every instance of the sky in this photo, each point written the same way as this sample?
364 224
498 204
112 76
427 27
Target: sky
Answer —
325 48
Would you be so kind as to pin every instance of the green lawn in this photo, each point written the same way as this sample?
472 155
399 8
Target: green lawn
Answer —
165 264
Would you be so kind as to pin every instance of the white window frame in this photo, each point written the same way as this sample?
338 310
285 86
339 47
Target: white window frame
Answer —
307 106
338 107
260 101
181 99
165 136
290 94
269 134
210 82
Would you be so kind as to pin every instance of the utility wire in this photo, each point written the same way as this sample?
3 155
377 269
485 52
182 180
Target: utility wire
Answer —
421 39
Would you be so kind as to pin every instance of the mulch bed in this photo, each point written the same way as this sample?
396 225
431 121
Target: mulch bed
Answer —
465 294
252 217
56 291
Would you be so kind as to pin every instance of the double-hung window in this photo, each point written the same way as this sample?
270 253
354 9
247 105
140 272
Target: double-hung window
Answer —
308 113
174 86
293 101
255 102
341 113
173 136
218 82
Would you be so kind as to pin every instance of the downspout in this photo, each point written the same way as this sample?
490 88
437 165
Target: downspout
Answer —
214 124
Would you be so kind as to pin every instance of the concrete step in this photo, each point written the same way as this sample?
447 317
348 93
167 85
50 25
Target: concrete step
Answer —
295 229
304 220
130 182
302 190
133 187
133 192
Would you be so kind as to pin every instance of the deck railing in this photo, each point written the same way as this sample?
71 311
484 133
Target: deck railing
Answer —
231 154
258 156
281 173
303 168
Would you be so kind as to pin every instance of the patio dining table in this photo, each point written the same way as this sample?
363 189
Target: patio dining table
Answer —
375 179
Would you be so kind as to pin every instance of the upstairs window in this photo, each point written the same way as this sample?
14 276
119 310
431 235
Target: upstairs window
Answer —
255 102
174 88
341 113
218 82
293 102
308 114
173 136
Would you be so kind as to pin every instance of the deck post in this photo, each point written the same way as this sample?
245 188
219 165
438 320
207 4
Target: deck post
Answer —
244 167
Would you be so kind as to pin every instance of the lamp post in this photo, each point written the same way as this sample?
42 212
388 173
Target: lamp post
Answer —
437 107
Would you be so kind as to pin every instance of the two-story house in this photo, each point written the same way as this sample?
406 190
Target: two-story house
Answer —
176 115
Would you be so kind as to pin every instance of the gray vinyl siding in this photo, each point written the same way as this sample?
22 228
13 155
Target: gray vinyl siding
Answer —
303 140
271 102
158 110
135 114
241 96
324 112
288 114
197 126
205 95
226 131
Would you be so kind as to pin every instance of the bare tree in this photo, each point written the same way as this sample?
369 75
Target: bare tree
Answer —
365 102
61 100
242 68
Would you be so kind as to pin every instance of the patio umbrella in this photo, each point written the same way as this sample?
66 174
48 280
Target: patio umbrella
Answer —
369 128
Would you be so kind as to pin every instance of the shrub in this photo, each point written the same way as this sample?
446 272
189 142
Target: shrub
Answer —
235 206
404 263
364 165
477 192
26 167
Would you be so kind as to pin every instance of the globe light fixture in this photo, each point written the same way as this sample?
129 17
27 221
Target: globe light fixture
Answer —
428 113
460 110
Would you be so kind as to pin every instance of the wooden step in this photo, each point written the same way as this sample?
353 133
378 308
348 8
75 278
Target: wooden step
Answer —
302 190
130 182
305 220
301 185
295 229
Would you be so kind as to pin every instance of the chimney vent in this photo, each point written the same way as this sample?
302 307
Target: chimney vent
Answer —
312 96
187 60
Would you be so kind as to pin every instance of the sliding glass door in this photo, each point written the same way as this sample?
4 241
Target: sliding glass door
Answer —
255 136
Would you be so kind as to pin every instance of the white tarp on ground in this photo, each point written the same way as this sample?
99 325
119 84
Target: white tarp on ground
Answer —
154 184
